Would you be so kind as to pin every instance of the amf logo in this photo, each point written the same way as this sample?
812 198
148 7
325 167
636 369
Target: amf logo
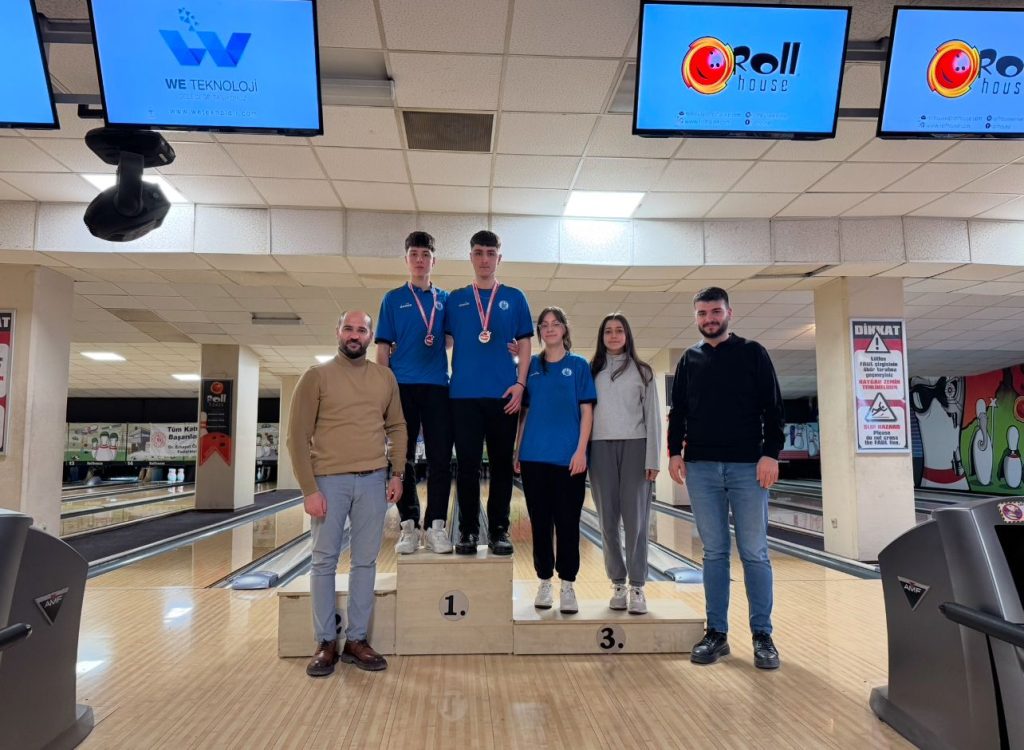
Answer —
223 56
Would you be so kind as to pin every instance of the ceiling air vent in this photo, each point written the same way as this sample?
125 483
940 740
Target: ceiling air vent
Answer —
448 131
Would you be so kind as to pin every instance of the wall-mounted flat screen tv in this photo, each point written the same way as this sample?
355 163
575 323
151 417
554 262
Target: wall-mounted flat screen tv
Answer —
954 73
26 98
224 65
734 70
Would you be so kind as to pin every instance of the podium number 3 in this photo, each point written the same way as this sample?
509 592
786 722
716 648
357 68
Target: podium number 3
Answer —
454 605
610 639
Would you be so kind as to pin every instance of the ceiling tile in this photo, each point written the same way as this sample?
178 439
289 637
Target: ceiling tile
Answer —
352 23
306 193
986 152
379 196
1008 179
275 161
619 174
861 177
75 155
939 178
1014 210
21 155
552 134
782 176
695 176
597 28
448 199
8 193
614 137
750 205
363 127
363 164
528 201
52 188
850 136
553 85
446 81
890 204
723 148
900 150
445 25
442 168
822 204
230 191
675 205
201 159
535 171
962 205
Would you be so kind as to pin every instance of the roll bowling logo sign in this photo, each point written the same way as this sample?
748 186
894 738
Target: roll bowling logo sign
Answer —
957 66
710 64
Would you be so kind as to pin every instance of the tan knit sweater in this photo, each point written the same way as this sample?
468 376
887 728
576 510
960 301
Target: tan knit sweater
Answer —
341 412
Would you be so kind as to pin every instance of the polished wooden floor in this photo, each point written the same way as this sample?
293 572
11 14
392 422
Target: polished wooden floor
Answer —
166 663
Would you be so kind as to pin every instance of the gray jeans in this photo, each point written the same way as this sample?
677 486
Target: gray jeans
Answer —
362 501
621 492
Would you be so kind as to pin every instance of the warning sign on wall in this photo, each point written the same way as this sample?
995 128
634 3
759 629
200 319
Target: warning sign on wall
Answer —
880 385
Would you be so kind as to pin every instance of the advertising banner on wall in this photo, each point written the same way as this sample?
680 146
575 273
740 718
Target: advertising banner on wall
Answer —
215 420
92 442
6 351
163 442
880 385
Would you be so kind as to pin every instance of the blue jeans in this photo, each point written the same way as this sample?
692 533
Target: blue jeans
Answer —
360 500
716 487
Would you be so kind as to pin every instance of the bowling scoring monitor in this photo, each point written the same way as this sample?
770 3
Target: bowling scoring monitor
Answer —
954 73
740 71
26 98
224 65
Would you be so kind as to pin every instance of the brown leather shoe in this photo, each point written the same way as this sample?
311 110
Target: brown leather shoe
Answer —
323 661
363 656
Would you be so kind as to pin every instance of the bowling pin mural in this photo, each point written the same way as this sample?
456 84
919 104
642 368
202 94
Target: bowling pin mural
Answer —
981 444
938 407
1011 461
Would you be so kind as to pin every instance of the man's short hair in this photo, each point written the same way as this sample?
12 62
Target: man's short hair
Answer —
341 319
419 239
485 238
711 294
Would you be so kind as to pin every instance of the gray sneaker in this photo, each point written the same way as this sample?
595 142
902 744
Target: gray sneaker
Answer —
637 601
436 539
618 600
408 539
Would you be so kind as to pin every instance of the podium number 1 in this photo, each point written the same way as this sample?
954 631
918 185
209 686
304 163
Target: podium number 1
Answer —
454 605
610 639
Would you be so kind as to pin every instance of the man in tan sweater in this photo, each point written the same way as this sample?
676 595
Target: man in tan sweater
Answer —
342 414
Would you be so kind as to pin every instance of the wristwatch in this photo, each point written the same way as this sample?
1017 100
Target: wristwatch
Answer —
399 475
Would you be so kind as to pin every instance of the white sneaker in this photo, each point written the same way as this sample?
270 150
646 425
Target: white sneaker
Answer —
567 599
637 601
618 600
544 599
409 539
437 540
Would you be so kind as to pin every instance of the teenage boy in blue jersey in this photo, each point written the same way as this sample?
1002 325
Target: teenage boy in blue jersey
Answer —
411 340
486 390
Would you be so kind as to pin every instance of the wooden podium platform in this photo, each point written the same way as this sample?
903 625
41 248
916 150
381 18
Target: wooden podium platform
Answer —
295 615
469 604
670 627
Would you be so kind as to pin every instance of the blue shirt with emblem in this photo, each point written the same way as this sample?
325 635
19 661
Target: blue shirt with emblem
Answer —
552 430
485 370
400 323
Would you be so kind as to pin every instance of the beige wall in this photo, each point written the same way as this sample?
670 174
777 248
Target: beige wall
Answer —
285 475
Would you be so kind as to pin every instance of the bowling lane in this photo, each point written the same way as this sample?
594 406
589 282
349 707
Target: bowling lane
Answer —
118 513
113 493
203 563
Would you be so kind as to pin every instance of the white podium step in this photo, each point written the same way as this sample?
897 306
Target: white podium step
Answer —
295 615
454 604
670 627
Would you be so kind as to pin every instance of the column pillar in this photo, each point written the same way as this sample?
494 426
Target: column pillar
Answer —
285 476
867 499
226 467
667 491
36 395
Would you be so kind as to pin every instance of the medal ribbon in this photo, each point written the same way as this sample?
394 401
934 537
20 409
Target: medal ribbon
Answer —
433 306
485 318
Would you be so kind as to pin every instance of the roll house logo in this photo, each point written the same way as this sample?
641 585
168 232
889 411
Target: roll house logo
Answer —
957 66
710 64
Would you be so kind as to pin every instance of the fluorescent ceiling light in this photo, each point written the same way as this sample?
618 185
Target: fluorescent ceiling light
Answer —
321 358
104 181
103 356
189 376
275 319
595 204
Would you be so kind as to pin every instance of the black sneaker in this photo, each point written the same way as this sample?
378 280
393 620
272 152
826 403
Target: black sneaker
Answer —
467 544
500 543
710 648
766 656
